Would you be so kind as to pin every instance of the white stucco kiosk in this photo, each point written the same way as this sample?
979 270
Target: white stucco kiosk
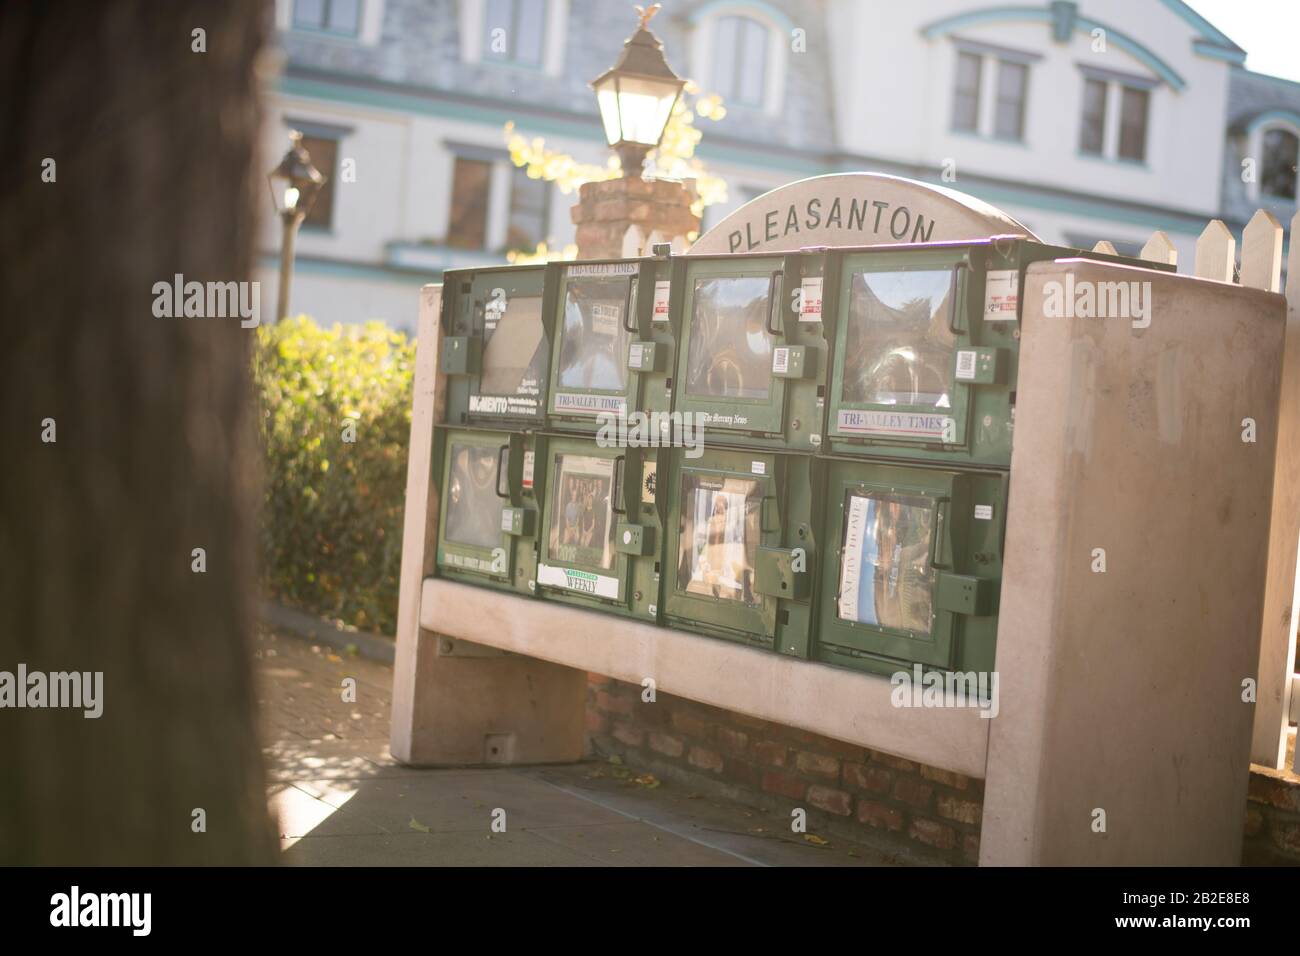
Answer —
1121 690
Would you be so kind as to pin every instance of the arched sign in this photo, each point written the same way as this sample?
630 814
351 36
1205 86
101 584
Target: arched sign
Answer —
854 209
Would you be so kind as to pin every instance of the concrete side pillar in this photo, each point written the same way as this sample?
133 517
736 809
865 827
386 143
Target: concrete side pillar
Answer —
624 217
456 703
1134 575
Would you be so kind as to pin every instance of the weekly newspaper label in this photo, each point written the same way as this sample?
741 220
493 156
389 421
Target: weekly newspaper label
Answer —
584 582
893 424
530 459
1001 295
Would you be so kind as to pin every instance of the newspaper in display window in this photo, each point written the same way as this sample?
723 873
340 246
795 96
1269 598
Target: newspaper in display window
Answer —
473 508
886 579
898 347
730 354
582 517
514 359
594 342
719 539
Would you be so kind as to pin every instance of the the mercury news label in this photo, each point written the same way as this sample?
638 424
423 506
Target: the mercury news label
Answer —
589 404
892 424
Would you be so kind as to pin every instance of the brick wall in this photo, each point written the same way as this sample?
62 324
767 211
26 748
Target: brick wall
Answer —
924 812
1272 818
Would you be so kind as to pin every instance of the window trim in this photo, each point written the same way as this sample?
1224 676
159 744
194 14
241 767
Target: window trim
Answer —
1116 83
471 21
704 23
1260 125
991 59
500 189
370 23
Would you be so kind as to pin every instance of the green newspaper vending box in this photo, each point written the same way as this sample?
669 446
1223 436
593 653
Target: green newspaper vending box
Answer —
495 349
913 567
615 341
741 555
752 360
602 527
489 506
927 347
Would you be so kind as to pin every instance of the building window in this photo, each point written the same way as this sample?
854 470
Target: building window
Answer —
514 31
1281 154
324 153
740 61
471 183
1092 133
1133 109
530 209
331 16
1009 118
966 96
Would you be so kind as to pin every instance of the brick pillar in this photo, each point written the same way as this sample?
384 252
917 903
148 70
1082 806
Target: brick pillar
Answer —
624 217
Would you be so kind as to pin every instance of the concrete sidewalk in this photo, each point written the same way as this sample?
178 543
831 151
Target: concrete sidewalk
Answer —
342 800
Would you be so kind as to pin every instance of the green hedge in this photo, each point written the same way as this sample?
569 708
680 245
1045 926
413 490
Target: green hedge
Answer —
331 524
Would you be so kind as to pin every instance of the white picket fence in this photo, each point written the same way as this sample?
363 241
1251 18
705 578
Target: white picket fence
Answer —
1277 690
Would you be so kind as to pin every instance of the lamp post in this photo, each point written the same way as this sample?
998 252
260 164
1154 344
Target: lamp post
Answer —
628 216
295 183
636 96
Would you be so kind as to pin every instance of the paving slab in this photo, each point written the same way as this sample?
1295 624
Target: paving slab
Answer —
434 849
342 800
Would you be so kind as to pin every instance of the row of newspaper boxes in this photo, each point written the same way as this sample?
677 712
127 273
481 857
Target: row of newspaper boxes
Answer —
894 352
806 452
849 561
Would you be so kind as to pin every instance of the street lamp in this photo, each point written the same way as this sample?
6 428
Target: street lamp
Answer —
295 183
636 96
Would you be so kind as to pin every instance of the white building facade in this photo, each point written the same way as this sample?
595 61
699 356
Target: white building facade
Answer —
1087 120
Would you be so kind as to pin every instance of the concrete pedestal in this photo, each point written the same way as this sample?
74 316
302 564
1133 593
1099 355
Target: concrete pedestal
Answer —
1124 737
455 703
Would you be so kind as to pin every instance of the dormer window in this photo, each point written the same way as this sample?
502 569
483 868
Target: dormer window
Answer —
741 51
740 61
329 16
1277 175
514 31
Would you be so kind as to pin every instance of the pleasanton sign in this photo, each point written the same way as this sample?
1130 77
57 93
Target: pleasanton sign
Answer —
854 209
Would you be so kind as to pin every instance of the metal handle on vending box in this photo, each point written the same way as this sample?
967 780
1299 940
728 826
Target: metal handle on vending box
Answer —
774 289
940 529
616 495
629 307
957 298
497 485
